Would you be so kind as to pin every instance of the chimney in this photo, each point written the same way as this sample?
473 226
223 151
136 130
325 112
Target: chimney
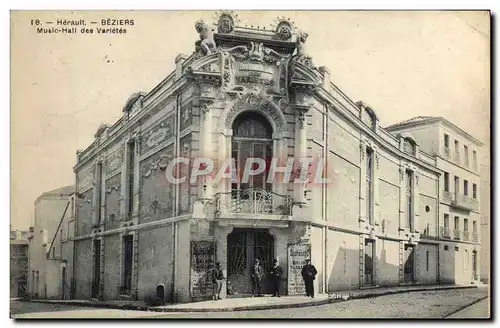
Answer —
179 60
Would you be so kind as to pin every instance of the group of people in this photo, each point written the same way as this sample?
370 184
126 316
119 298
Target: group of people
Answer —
257 275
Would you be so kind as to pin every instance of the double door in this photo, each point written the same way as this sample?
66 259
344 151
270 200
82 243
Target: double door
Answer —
245 246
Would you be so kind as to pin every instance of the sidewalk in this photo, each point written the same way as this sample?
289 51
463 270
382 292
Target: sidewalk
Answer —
256 303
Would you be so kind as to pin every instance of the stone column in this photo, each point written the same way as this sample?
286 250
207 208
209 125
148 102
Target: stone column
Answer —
303 100
221 232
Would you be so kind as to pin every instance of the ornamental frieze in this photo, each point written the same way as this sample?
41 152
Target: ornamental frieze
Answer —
159 133
114 161
158 161
85 178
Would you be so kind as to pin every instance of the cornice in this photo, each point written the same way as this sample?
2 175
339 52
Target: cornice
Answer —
170 92
352 119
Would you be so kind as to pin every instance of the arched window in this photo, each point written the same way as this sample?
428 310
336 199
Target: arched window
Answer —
409 146
252 138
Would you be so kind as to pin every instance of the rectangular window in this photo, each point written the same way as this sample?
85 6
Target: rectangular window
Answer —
474 159
446 181
128 246
457 149
369 185
131 171
409 199
474 191
446 222
466 225
446 140
98 193
466 188
427 260
466 260
474 227
457 186
466 155
456 223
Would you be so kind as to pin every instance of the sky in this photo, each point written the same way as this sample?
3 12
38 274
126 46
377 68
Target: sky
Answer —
403 64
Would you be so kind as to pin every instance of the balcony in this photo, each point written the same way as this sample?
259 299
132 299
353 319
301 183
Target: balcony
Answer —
445 232
475 237
428 232
456 234
253 201
464 202
446 152
466 236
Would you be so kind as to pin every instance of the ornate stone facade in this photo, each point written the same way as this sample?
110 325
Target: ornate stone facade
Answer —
233 72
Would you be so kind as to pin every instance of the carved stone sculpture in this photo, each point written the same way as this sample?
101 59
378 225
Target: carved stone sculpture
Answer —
301 55
206 45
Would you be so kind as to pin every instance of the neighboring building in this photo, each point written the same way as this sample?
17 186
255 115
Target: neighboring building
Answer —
18 263
256 95
456 154
51 245
485 207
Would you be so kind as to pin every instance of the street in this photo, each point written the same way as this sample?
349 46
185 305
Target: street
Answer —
429 304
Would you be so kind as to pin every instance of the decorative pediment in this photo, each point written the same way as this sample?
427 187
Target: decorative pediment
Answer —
301 74
207 64
133 104
101 131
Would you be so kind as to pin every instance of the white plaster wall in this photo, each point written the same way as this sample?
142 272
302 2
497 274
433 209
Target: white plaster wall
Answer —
343 261
387 262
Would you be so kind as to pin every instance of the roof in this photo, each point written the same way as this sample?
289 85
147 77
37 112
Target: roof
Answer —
425 120
64 191
416 119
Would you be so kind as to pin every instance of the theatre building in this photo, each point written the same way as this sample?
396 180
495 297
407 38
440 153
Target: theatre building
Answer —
251 93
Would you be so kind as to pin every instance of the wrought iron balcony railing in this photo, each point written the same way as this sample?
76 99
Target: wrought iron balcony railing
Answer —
446 152
456 234
475 237
465 202
466 236
448 196
428 232
253 201
445 232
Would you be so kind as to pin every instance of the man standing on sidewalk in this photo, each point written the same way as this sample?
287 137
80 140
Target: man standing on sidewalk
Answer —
309 274
256 275
276 273
217 277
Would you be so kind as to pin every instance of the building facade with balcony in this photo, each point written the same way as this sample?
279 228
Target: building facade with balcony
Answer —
457 156
50 252
251 93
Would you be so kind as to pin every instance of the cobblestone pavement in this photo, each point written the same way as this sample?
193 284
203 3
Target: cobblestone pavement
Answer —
435 304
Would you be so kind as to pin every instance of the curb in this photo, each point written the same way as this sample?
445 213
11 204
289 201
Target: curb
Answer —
246 308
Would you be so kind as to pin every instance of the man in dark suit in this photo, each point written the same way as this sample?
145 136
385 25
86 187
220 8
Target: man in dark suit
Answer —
276 273
217 278
309 274
257 274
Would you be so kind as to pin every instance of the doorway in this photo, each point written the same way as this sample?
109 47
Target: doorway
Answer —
243 247
409 264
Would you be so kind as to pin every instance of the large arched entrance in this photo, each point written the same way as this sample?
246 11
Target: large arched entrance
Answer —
244 245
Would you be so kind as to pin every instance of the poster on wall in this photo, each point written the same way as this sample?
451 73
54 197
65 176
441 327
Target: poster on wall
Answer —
297 255
202 263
